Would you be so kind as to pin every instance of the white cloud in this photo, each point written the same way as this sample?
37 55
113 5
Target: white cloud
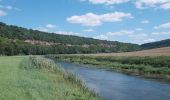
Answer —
91 19
48 29
101 37
106 2
129 33
161 33
132 35
163 26
137 36
166 6
88 30
42 29
67 33
142 4
2 13
145 22
8 7
149 40
51 26
120 33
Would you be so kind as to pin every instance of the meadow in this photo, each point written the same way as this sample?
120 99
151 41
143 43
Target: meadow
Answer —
37 78
164 51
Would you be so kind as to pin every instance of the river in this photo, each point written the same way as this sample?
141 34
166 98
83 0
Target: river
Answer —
117 86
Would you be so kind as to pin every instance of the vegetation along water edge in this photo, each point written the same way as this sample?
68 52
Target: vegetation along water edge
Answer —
37 78
149 67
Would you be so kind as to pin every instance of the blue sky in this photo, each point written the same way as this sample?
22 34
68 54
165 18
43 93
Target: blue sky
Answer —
133 21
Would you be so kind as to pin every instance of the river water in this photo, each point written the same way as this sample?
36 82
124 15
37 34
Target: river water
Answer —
117 86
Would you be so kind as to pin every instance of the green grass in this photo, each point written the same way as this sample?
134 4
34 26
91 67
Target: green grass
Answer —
154 67
35 78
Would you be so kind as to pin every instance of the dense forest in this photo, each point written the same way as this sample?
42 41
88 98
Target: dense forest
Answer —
21 41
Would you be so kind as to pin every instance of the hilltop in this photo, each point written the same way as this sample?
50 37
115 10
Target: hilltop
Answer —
157 44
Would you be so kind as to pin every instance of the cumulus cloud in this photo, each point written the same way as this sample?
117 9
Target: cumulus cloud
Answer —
129 33
137 36
106 2
120 33
149 40
161 33
142 4
42 29
67 33
46 28
2 13
101 37
163 26
134 35
166 6
91 19
51 26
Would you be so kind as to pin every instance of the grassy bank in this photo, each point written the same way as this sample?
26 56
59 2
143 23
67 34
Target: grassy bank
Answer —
154 67
35 78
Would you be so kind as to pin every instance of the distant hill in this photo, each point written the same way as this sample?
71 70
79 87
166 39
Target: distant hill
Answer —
158 44
16 40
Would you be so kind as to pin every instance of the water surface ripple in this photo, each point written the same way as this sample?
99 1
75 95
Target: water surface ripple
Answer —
117 86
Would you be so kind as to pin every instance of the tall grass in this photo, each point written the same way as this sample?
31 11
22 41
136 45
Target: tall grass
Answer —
49 66
158 67
37 78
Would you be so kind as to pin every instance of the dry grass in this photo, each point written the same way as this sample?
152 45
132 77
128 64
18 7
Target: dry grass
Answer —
152 52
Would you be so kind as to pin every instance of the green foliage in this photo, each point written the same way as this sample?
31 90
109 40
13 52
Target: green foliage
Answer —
35 78
132 65
158 44
12 43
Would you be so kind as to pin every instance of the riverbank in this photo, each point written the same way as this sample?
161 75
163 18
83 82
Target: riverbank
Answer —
30 78
149 67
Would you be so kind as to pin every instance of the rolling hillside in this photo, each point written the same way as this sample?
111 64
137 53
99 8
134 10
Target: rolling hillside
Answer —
157 44
16 40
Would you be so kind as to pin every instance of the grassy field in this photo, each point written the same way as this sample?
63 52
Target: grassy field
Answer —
24 78
153 67
165 51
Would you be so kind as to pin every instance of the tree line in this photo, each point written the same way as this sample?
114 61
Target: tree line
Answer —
12 42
